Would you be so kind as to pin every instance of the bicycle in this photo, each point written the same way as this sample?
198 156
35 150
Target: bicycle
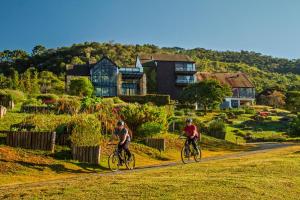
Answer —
114 163
186 154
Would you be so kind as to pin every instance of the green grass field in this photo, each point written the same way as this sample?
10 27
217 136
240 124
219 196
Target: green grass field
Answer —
270 175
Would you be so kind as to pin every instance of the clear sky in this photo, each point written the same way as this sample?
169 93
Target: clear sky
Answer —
270 27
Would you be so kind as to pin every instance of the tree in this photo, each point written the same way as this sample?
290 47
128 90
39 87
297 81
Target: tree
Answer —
207 94
81 87
293 101
272 98
50 83
38 50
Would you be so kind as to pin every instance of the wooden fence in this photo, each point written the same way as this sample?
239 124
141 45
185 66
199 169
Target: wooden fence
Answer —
63 139
88 154
7 103
31 140
2 111
156 143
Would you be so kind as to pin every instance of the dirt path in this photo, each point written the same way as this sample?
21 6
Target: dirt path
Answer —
260 148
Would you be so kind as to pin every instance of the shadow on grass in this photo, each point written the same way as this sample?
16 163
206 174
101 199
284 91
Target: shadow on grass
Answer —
57 168
267 125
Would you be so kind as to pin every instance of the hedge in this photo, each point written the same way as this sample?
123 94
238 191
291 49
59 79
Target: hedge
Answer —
157 99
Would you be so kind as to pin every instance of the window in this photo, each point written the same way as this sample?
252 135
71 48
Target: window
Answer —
130 87
104 78
185 79
185 67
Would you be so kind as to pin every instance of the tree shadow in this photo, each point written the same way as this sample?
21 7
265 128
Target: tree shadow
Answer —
267 125
57 168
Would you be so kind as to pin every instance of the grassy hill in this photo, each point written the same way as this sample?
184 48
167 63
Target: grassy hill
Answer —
264 71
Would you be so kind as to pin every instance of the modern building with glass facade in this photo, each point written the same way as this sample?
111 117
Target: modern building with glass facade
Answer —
110 80
168 74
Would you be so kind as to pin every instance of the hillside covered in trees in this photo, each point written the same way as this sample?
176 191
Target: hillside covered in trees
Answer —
46 67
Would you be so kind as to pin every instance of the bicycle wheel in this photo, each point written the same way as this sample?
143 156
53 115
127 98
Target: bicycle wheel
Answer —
113 162
130 164
185 158
197 157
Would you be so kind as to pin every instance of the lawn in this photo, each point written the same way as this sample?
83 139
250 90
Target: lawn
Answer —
270 175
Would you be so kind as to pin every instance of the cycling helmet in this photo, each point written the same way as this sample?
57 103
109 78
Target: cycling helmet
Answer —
120 123
189 120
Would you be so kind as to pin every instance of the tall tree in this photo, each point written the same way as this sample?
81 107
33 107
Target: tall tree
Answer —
38 50
206 94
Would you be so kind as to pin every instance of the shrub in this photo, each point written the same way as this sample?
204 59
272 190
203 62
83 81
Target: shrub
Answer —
81 87
43 122
117 100
238 111
47 98
149 129
179 112
217 129
135 115
294 129
223 117
89 104
85 130
12 95
33 102
249 110
68 105
157 99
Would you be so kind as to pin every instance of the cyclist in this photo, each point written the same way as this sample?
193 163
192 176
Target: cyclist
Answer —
124 139
192 134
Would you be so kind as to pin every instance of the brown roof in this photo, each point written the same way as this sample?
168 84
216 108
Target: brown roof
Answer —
144 58
234 80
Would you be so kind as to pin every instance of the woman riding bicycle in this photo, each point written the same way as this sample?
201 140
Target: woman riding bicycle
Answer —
192 135
124 139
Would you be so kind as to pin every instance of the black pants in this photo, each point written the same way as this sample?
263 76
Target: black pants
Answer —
192 141
124 146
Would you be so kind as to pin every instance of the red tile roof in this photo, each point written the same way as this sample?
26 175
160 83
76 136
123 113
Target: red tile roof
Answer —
234 80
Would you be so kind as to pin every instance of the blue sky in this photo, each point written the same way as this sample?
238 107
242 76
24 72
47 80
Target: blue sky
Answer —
270 27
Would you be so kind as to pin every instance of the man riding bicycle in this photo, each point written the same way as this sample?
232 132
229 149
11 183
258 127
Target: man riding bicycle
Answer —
192 135
124 139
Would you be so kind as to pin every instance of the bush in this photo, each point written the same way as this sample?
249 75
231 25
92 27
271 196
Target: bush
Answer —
249 110
81 87
179 112
89 104
217 129
85 130
117 100
33 102
294 129
47 98
68 105
12 95
223 117
157 99
186 106
43 122
135 115
238 111
149 129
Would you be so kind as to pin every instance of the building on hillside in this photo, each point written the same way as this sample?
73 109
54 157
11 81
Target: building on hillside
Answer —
110 80
243 90
167 74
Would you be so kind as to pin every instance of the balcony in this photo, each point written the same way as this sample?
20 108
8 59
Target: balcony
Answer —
183 82
182 68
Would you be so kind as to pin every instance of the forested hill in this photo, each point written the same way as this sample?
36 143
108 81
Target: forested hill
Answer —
264 71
